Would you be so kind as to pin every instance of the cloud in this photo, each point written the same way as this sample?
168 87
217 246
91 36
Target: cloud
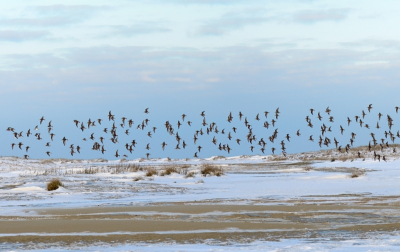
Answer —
384 45
54 15
153 72
44 21
227 2
213 80
230 22
180 79
370 16
68 9
314 16
136 29
21 35
145 76
206 2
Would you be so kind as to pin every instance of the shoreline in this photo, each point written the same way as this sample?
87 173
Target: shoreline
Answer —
182 223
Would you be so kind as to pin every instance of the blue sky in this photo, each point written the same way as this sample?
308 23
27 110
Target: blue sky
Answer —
68 60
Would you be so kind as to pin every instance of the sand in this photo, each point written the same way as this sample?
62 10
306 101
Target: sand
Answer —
191 222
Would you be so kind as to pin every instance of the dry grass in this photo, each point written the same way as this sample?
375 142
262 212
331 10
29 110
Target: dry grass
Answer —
119 168
151 171
278 158
137 179
90 170
169 170
98 160
191 175
302 163
54 185
218 157
122 168
44 172
184 171
46 161
307 168
342 169
93 169
211 170
114 169
357 174
329 154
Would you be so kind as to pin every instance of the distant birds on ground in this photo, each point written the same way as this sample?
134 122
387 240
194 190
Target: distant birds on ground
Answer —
211 128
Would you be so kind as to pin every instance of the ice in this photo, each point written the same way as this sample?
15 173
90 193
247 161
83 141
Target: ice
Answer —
377 243
288 182
246 180
28 189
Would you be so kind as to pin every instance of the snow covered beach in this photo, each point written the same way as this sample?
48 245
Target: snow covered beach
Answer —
306 201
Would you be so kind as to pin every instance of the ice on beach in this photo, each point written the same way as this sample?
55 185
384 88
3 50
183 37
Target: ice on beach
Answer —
27 189
377 242
274 180
248 180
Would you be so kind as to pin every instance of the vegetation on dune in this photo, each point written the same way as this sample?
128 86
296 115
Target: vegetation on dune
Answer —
211 170
150 172
137 179
54 185
190 175
357 174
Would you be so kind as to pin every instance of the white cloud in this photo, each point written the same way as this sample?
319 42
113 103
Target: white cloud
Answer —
132 68
313 16
179 79
21 35
232 21
135 29
68 9
43 21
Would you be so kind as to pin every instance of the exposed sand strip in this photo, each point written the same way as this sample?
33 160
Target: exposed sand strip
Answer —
191 223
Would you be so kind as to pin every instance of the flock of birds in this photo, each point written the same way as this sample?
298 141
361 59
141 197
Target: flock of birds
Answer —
124 125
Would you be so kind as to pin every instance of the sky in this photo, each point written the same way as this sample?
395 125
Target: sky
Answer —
68 60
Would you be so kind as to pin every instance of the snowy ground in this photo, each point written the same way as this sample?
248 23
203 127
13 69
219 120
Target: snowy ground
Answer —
379 242
367 187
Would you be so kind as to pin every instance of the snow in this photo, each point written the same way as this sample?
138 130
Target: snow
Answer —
247 180
378 243
89 189
27 189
